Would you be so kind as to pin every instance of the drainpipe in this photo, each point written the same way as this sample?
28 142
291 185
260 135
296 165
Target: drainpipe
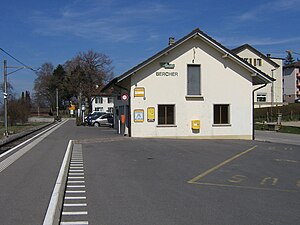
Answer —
253 137
129 110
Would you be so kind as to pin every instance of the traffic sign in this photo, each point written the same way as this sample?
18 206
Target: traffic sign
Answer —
125 97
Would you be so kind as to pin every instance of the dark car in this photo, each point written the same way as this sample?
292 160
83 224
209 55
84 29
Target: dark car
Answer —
297 100
104 120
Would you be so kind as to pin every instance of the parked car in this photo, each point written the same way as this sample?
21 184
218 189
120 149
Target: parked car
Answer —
104 120
93 116
297 100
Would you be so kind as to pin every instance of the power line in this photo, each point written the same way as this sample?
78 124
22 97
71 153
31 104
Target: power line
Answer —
17 60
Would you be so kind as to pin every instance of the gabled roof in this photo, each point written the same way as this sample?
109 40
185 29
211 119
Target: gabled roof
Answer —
258 78
255 51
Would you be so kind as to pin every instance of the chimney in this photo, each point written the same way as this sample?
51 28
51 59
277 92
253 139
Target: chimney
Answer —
171 40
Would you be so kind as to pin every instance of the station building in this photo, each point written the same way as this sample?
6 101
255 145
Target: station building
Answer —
194 88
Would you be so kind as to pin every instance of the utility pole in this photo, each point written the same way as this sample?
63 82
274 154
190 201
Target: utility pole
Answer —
5 94
5 99
57 103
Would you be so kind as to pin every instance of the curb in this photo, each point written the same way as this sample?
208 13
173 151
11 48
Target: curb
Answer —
55 205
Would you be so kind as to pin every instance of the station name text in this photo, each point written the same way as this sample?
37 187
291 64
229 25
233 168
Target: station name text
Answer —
167 74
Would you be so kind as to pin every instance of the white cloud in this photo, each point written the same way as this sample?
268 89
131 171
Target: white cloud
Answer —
105 20
231 41
259 11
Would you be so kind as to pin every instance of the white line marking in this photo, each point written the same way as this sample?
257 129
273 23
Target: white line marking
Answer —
75 181
75 198
75 204
76 167
76 174
75 186
75 223
39 137
71 170
75 177
74 213
69 192
23 143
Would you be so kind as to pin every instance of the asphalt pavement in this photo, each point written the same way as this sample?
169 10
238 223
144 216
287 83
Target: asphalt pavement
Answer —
276 137
27 181
133 181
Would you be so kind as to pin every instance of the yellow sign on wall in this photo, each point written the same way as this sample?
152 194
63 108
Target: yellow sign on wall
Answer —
139 92
151 114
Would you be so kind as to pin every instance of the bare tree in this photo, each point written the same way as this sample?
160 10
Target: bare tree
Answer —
88 72
44 95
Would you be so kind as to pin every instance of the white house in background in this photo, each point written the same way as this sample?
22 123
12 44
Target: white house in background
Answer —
291 82
103 103
272 94
194 88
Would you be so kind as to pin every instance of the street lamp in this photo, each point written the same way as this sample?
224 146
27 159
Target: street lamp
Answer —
5 94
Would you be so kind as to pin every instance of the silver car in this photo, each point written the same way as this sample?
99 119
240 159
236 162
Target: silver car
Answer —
104 120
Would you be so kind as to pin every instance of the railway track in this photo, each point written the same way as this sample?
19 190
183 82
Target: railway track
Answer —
9 142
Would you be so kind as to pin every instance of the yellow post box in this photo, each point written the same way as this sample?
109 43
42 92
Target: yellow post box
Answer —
196 124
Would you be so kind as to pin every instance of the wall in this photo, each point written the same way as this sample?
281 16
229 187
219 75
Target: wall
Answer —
289 85
222 82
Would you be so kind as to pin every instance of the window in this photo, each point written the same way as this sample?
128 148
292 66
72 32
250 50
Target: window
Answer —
166 114
110 100
193 80
97 99
99 109
261 97
221 114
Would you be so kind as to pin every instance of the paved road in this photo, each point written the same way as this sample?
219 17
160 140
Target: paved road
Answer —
276 137
195 182
26 185
156 181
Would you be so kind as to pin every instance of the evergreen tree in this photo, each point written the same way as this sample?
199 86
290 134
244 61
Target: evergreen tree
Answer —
289 59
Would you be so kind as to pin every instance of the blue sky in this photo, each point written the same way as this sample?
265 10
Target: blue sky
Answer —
36 31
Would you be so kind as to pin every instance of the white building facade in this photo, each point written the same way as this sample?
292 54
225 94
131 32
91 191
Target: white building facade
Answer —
272 94
195 88
103 104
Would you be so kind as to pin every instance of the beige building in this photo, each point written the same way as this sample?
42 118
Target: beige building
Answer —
272 94
291 82
194 88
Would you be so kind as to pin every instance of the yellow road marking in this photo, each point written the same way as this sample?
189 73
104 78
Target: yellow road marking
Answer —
219 165
285 160
248 187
